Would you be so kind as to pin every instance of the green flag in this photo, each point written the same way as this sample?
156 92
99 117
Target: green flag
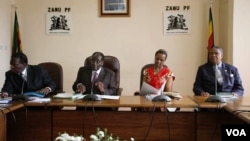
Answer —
16 46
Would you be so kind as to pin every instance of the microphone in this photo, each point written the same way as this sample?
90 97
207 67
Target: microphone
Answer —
161 97
215 97
22 86
215 79
91 88
21 96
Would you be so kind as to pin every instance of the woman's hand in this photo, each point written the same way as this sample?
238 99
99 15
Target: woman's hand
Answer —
146 78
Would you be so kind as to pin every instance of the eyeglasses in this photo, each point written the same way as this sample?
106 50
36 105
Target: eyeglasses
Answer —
96 62
16 65
214 53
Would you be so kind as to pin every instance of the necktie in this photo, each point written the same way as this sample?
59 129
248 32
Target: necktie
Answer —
95 76
218 75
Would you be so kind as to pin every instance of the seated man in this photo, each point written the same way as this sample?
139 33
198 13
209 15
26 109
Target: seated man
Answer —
26 78
95 79
226 76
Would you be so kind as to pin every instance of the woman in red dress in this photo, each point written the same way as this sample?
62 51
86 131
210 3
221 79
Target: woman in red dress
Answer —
159 74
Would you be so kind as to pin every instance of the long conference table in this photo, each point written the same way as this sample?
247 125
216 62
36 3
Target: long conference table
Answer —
240 108
209 123
28 121
5 109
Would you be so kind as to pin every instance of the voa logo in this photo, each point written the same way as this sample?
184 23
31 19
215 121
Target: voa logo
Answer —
236 132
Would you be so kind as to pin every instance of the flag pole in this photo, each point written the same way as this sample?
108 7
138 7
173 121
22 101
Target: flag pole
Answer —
14 6
210 3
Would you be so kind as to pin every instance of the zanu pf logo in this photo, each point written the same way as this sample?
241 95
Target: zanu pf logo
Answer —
236 132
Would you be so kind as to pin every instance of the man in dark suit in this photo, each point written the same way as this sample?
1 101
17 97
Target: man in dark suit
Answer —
227 77
95 79
26 78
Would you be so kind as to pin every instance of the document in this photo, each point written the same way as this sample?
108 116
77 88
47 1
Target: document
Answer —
114 97
68 95
172 94
227 95
39 100
80 96
224 94
148 89
34 94
5 100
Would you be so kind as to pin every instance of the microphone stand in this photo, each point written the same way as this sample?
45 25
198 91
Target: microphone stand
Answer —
161 97
22 86
215 80
215 97
21 96
91 96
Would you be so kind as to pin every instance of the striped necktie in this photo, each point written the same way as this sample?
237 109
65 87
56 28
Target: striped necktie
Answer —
218 75
95 76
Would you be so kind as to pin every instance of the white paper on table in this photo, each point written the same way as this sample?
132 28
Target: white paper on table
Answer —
39 100
69 95
5 100
148 89
172 94
112 97
63 95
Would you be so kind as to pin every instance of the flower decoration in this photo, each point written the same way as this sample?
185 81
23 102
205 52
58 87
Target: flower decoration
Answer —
66 137
99 136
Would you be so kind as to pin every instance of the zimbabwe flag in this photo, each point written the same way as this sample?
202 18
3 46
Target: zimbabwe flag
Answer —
16 46
210 31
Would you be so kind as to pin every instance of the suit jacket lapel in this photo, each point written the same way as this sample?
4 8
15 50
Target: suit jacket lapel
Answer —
89 76
101 75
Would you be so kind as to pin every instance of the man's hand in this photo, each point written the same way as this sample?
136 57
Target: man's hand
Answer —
100 86
206 94
80 88
235 94
45 90
4 94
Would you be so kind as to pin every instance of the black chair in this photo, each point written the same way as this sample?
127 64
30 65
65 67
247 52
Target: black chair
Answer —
55 71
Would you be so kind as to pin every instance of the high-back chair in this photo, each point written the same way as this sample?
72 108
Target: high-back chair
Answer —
111 63
55 71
